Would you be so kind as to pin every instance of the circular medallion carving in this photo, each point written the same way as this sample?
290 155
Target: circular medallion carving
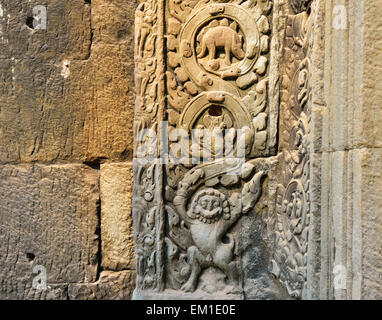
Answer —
215 109
294 209
221 40
219 113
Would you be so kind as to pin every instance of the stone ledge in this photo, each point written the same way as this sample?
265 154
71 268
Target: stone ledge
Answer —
110 286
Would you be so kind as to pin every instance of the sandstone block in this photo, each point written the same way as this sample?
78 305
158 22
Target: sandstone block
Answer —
108 128
66 93
67 30
371 89
109 20
116 216
48 218
42 113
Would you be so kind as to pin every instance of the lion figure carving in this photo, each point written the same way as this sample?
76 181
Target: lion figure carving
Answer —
208 218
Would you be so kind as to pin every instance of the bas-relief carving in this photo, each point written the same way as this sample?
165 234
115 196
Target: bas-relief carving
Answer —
217 56
291 221
199 222
217 77
145 200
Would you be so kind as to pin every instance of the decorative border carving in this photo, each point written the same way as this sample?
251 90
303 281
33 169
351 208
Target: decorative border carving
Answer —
217 60
291 225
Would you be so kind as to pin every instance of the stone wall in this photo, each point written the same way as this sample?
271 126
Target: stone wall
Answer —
309 228
310 101
346 144
66 115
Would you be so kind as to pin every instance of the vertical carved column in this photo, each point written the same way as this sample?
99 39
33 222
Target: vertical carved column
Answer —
212 108
291 221
253 118
148 200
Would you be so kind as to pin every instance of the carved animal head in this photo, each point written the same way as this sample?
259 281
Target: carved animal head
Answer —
209 206
237 46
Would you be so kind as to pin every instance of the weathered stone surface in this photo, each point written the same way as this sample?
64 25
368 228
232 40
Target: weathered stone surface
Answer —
188 218
67 33
52 292
113 22
371 65
66 95
116 216
352 77
259 284
351 224
346 164
48 217
368 203
108 127
110 286
109 121
67 92
40 119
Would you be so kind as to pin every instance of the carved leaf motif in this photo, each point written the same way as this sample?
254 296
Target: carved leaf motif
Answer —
179 232
293 205
215 51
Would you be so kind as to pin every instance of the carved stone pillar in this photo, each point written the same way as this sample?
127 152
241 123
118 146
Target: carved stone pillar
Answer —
221 196
289 225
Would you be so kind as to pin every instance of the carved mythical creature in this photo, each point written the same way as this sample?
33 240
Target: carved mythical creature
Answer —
222 37
206 223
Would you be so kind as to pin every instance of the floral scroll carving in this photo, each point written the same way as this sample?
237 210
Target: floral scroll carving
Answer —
217 83
220 47
145 202
203 67
292 220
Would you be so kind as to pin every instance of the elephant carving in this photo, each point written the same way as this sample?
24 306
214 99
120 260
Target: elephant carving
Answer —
222 37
